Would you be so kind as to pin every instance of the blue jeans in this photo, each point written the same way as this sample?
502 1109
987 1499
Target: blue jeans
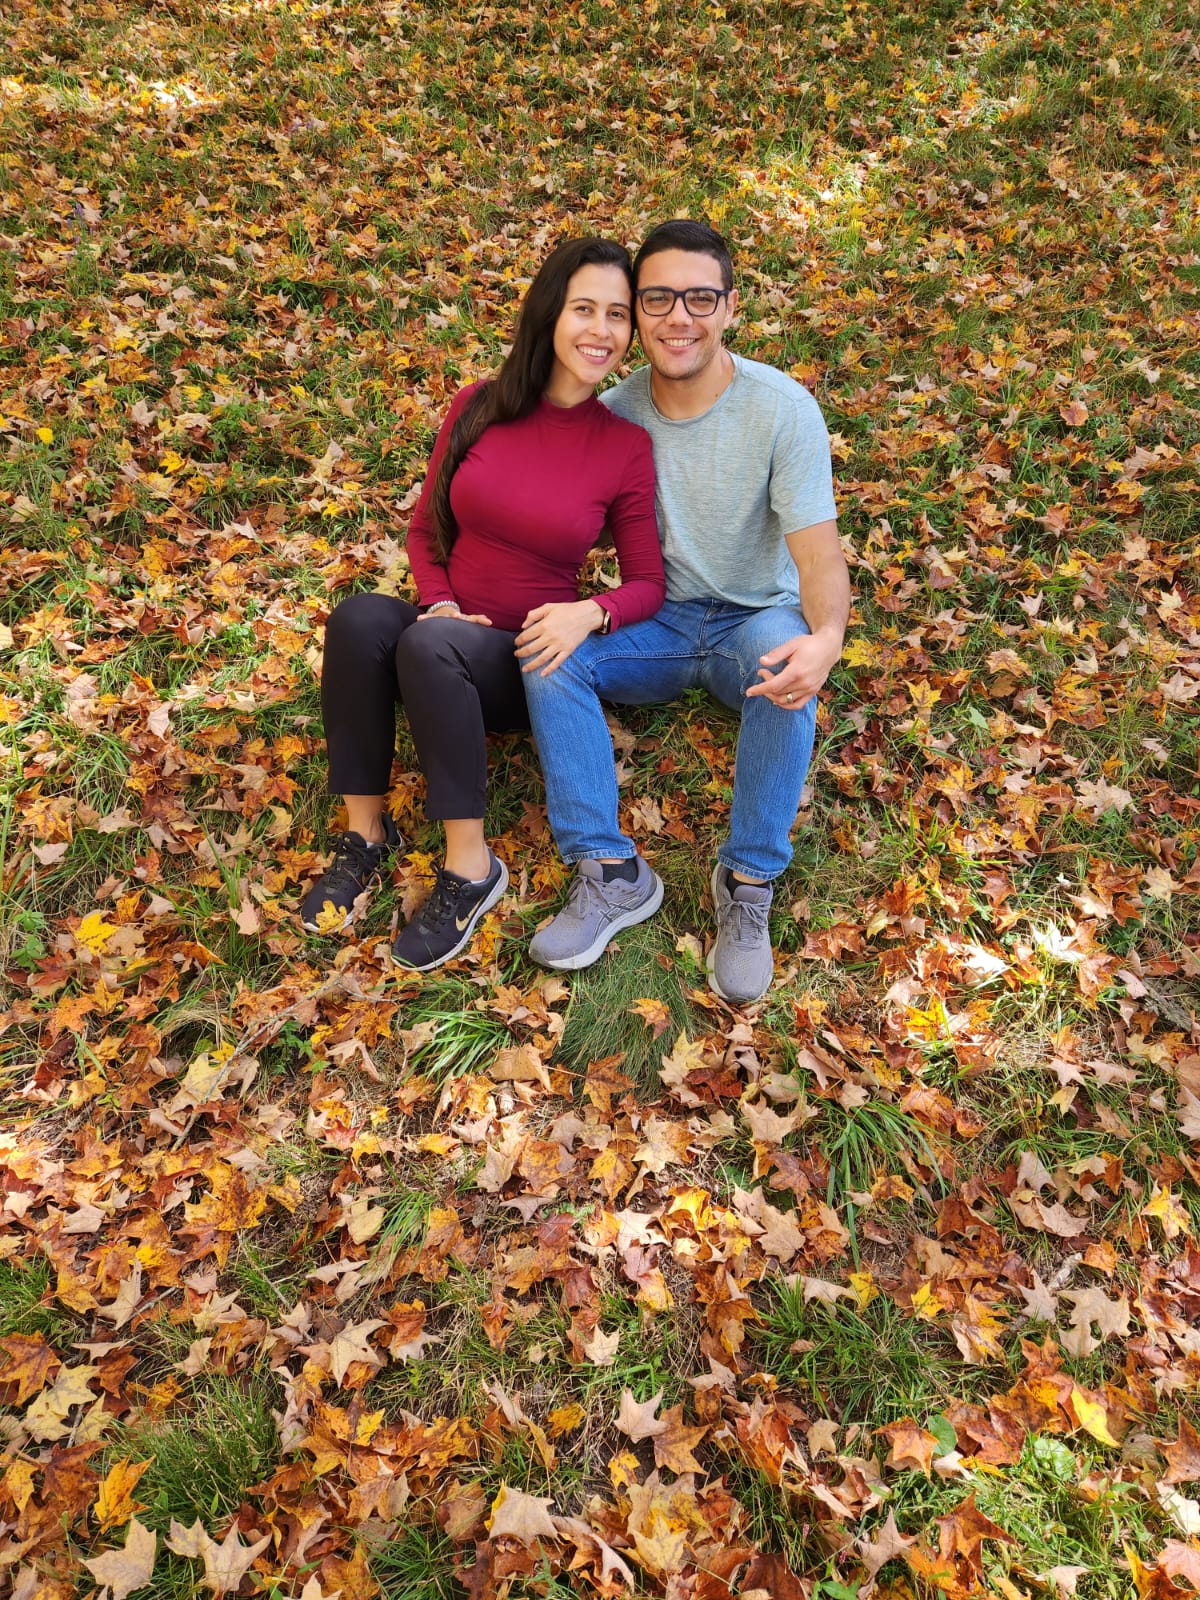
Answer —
709 643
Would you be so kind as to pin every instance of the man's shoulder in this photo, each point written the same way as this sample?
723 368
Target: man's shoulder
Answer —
764 384
629 398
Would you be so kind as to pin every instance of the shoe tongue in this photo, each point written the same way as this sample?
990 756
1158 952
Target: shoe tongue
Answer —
592 869
751 893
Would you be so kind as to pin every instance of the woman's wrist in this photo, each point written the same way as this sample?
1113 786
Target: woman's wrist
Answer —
603 624
442 605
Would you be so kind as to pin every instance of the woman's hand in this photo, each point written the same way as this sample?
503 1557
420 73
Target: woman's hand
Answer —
459 616
550 633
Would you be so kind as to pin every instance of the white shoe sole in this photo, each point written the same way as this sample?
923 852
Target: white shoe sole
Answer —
480 912
629 919
710 963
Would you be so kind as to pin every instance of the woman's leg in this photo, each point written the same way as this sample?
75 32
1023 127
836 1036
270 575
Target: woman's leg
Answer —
458 680
358 696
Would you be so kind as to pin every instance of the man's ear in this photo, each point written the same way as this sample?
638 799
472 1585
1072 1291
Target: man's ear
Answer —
731 307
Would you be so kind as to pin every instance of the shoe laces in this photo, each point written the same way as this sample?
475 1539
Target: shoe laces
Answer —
354 862
583 894
442 905
745 921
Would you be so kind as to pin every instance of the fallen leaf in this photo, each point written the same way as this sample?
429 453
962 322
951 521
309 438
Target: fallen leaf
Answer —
120 1572
516 1515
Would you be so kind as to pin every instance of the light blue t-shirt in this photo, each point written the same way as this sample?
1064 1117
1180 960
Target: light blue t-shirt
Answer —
734 482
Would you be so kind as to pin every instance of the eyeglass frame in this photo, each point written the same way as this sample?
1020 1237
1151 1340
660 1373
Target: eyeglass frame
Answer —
678 295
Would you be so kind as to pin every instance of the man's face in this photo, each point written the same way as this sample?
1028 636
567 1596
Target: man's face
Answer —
679 345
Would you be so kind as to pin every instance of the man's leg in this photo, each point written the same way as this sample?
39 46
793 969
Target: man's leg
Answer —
773 753
645 663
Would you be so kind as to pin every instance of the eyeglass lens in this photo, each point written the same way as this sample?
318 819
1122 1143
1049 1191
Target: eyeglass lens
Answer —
700 302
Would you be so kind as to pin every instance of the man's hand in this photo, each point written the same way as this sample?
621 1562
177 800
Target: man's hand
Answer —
550 633
803 665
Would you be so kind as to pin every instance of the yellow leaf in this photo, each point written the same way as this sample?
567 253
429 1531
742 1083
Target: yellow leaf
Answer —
114 1505
863 1285
1169 1212
565 1419
94 933
860 653
1092 1417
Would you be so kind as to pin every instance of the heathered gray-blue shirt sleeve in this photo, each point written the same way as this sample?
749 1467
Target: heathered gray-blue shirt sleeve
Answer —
733 483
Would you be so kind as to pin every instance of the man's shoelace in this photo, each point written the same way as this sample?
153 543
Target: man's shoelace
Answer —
746 920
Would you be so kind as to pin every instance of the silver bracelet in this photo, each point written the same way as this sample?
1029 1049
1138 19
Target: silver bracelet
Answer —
440 605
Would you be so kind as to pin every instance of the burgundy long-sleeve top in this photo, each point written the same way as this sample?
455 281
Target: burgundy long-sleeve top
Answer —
531 499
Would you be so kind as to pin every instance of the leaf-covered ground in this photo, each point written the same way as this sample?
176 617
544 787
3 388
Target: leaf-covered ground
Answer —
319 1281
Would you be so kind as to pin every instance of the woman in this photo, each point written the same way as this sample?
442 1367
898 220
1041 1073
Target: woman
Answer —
526 472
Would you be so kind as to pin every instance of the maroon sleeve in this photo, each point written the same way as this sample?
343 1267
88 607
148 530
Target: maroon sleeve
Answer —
634 529
433 582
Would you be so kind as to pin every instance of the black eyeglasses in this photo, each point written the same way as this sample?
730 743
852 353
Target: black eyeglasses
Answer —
697 302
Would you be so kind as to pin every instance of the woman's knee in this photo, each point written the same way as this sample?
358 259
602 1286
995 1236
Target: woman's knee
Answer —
366 627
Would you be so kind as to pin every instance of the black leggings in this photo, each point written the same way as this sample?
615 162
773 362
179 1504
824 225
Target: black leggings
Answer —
458 681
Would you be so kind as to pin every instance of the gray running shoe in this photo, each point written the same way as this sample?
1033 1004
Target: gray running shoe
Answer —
740 964
595 912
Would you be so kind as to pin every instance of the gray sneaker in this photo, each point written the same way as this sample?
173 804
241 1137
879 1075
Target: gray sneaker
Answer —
740 964
595 912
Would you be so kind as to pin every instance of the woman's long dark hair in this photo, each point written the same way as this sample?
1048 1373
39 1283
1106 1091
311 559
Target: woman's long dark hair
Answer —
521 381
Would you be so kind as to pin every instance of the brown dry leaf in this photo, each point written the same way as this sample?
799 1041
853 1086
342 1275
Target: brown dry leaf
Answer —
654 1013
640 1421
1093 1306
673 1446
28 1363
351 1345
889 1544
601 1348
225 1564
664 1144
1183 1456
767 1126
519 1064
516 1515
965 1529
912 1447
120 1572
46 1417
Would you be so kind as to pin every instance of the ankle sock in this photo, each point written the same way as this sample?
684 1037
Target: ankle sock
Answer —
625 870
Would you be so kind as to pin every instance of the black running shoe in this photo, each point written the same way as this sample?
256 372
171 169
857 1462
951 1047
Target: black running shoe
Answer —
355 867
444 924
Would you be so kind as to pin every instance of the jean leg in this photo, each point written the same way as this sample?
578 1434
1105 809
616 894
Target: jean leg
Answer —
774 745
642 664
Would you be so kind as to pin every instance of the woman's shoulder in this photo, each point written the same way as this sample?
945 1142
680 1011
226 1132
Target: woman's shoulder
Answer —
465 395
622 429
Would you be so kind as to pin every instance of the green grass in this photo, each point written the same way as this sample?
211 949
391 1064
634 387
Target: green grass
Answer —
276 229
210 1449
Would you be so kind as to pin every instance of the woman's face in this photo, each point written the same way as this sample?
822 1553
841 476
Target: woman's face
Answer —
592 333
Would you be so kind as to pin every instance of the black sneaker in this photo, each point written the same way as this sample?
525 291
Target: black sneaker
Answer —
356 865
444 924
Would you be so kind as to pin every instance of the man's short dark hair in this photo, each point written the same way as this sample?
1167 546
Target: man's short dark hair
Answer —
682 234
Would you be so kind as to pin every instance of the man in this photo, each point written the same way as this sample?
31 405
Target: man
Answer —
758 597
